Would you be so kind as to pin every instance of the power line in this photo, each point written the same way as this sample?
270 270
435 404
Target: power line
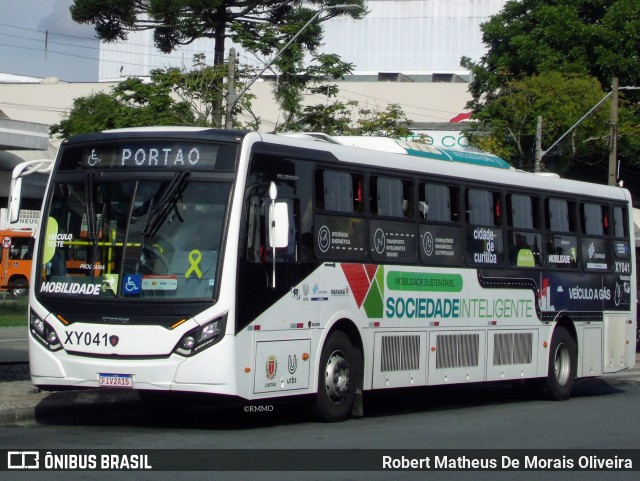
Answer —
414 110
100 47
60 110
45 31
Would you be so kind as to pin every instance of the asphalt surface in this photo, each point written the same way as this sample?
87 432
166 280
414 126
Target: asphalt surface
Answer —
21 402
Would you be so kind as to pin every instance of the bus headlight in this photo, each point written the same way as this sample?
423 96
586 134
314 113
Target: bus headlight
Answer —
201 337
44 333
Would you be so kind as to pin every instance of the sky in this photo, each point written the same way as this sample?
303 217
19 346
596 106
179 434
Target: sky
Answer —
69 52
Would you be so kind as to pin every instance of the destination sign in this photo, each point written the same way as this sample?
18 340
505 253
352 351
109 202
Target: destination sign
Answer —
157 155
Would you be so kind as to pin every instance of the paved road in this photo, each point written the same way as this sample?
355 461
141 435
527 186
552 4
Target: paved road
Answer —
492 417
20 401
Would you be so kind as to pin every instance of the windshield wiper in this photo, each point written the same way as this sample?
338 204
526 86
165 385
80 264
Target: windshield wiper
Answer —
168 200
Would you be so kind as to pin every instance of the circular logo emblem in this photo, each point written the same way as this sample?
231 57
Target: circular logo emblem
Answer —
427 243
324 238
379 241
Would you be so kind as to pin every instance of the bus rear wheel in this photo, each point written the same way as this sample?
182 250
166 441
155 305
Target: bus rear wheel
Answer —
338 378
562 365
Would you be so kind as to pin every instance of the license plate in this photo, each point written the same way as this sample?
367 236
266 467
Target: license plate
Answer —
115 380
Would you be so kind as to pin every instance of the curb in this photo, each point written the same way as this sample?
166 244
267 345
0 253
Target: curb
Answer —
70 404
72 410
12 416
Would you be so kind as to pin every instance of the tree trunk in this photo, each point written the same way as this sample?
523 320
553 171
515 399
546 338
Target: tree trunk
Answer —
218 61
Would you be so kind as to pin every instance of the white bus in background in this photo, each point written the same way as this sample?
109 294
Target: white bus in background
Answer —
262 266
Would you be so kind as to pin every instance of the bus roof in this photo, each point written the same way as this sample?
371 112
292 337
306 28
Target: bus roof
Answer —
383 153
389 144
382 158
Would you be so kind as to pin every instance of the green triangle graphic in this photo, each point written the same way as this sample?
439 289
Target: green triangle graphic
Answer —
373 302
380 280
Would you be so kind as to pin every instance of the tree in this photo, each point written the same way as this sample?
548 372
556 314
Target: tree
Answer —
183 97
180 22
338 118
599 38
575 39
170 97
334 118
391 122
507 125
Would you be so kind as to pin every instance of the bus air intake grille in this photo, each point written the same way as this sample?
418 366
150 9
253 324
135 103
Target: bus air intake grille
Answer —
400 353
512 348
457 350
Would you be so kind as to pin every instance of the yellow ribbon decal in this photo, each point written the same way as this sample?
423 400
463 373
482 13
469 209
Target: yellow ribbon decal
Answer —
195 256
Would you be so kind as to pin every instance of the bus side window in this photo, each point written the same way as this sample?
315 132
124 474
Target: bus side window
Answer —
391 197
594 219
560 216
620 227
20 248
525 243
562 248
438 203
485 244
339 191
483 207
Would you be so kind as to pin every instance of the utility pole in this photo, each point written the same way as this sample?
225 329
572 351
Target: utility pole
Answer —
231 90
538 166
613 139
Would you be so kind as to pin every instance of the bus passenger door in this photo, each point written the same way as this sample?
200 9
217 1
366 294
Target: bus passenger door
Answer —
280 284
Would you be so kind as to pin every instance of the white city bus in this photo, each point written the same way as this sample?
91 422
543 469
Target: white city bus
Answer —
263 266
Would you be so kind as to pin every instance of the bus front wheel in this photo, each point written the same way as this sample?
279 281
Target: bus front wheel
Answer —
19 287
338 378
562 365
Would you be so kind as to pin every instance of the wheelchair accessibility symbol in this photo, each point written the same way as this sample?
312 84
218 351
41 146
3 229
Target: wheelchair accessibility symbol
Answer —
132 284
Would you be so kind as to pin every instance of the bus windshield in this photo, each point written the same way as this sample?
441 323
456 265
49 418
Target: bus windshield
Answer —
156 235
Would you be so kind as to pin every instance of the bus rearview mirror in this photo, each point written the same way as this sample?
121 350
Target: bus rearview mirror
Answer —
14 200
278 225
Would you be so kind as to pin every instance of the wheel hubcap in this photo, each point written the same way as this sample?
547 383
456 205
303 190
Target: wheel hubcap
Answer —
337 377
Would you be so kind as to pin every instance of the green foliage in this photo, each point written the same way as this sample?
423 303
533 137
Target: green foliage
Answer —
561 100
180 22
338 118
391 122
195 97
334 118
185 97
557 59
599 38
171 97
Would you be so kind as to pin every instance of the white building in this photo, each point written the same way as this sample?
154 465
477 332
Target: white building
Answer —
412 37
405 52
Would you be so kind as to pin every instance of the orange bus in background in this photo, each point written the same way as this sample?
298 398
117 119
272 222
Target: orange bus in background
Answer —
15 262
16 244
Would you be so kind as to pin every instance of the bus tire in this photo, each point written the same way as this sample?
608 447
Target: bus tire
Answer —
338 378
562 365
19 287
